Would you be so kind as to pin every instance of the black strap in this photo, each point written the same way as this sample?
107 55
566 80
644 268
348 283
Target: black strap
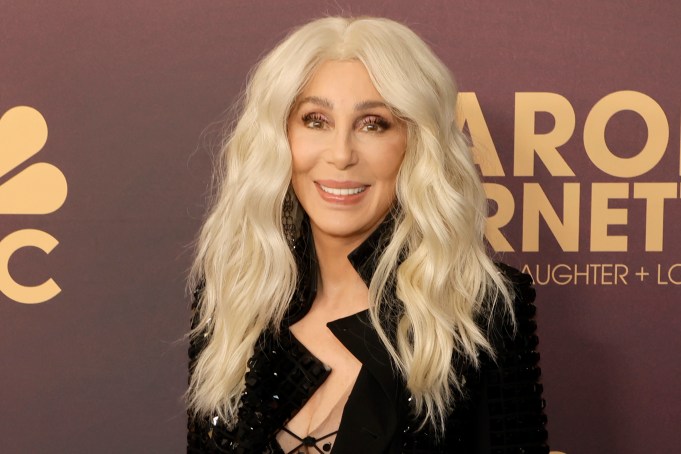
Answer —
307 441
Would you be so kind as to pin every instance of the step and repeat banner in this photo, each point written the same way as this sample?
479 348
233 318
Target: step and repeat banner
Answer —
110 116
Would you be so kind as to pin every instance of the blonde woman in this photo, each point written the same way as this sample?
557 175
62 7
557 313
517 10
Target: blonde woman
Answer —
345 302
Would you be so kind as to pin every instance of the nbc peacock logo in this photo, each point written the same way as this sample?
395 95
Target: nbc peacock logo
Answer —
27 189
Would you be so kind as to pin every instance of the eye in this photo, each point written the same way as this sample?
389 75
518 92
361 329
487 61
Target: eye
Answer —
374 123
314 120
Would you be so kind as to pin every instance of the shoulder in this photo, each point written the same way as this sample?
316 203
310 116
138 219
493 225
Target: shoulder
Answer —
510 382
520 283
522 309
511 329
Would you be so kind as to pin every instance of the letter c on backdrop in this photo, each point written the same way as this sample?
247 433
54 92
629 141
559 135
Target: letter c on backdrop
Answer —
12 289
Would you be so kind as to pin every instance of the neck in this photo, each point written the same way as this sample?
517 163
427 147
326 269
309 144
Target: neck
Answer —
340 288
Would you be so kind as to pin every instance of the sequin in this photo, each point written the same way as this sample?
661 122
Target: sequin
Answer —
283 375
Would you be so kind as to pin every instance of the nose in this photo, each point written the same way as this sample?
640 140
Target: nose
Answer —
342 153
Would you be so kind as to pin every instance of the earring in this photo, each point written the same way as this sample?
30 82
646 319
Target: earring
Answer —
288 218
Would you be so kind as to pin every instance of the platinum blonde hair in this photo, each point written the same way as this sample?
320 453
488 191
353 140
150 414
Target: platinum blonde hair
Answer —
445 275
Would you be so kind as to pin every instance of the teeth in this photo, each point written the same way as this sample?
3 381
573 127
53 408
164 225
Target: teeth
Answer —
344 191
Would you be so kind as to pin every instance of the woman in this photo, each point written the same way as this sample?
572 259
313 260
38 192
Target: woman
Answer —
345 301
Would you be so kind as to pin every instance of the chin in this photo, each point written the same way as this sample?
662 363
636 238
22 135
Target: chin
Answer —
349 227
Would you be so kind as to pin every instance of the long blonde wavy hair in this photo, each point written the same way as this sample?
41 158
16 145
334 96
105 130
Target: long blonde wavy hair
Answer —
247 265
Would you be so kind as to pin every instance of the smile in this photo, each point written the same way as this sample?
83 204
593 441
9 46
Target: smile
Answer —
342 191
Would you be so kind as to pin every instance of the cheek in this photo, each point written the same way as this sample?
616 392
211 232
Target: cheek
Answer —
385 172
302 152
396 163
393 151
387 165
297 155
301 166
390 166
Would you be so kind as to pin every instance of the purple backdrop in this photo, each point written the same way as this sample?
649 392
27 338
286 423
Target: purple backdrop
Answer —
132 93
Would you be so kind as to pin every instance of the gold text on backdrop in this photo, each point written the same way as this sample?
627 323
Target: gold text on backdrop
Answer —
536 205
39 188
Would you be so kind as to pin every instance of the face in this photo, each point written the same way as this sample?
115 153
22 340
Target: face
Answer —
347 148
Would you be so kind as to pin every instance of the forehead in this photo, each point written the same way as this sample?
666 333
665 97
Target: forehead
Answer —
341 79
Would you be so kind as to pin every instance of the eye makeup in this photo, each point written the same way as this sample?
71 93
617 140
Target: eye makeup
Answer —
368 123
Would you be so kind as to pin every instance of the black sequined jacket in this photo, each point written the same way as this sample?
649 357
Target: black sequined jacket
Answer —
501 413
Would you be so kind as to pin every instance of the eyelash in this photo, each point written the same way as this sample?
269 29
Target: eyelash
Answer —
373 120
370 120
313 117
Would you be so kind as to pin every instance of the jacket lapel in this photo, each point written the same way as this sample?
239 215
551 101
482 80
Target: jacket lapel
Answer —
358 336
370 418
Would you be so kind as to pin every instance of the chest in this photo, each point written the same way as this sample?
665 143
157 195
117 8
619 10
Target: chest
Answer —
320 417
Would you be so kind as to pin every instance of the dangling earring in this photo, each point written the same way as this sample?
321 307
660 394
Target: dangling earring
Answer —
288 217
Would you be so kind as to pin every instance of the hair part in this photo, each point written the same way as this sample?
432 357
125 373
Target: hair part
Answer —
247 265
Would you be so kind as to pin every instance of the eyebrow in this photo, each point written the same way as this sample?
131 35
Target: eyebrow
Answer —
323 102
369 105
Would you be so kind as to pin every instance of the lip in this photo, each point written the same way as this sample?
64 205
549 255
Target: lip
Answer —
348 199
336 184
